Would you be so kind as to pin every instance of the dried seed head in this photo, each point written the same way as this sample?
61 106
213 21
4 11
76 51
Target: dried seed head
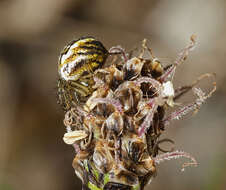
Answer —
116 131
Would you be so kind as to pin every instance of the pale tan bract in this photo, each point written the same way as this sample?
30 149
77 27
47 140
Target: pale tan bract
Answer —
73 136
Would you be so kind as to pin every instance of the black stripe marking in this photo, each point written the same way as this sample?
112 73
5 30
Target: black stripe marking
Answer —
86 63
78 66
81 64
98 44
93 48
89 53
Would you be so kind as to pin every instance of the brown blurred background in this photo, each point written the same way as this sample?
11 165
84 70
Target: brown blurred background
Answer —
32 34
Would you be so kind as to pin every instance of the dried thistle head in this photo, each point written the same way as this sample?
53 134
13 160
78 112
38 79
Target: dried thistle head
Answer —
116 122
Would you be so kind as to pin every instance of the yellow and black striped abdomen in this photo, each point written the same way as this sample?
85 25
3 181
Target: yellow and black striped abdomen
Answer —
81 57
76 64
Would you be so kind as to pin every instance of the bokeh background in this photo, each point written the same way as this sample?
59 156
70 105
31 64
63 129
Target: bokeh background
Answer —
32 34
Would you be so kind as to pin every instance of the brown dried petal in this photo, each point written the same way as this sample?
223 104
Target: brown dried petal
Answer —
133 68
115 122
102 157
